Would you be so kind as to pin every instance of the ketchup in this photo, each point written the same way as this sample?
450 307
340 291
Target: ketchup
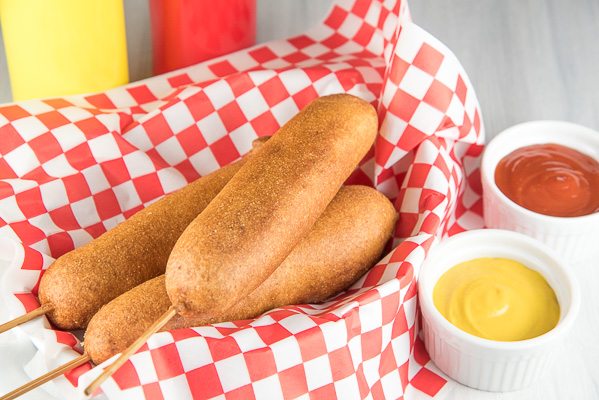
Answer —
550 179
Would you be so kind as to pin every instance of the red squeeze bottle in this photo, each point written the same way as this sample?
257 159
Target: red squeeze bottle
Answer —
185 32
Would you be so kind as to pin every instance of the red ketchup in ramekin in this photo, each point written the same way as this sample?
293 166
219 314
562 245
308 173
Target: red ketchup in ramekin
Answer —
550 179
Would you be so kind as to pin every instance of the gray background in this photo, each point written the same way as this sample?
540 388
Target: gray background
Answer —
528 59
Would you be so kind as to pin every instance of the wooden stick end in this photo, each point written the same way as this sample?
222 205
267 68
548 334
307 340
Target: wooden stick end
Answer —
125 355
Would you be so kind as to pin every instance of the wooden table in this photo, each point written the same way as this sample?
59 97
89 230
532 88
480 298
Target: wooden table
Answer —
528 59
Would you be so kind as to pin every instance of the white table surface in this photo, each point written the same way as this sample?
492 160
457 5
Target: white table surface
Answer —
528 59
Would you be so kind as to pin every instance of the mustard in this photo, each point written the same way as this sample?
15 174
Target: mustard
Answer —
498 299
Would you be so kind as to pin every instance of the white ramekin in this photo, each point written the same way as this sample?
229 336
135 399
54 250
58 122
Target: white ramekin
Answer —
574 238
486 364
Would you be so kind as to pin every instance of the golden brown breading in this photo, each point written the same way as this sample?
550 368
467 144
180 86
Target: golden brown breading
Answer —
268 206
83 280
345 242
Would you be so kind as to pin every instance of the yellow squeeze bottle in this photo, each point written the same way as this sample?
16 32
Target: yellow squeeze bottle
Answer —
63 47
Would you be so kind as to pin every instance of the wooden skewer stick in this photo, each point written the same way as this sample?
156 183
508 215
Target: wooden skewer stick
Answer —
74 363
159 323
27 317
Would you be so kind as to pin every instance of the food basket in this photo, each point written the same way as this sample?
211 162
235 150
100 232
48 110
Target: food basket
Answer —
72 168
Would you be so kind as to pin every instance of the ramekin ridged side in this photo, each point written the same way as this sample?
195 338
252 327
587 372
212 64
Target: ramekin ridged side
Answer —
495 374
487 364
576 245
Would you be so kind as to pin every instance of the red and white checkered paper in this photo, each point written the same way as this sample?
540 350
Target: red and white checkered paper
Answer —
73 167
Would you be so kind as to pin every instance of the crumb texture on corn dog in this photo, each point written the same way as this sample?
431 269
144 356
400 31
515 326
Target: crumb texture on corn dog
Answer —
268 206
78 283
343 244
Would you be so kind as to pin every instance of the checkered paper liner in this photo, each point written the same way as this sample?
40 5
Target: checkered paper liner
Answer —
72 168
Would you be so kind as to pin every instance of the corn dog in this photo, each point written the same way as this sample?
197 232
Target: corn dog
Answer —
347 239
77 284
268 206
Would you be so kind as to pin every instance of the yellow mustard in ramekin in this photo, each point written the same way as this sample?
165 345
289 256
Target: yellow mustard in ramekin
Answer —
487 364
497 299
